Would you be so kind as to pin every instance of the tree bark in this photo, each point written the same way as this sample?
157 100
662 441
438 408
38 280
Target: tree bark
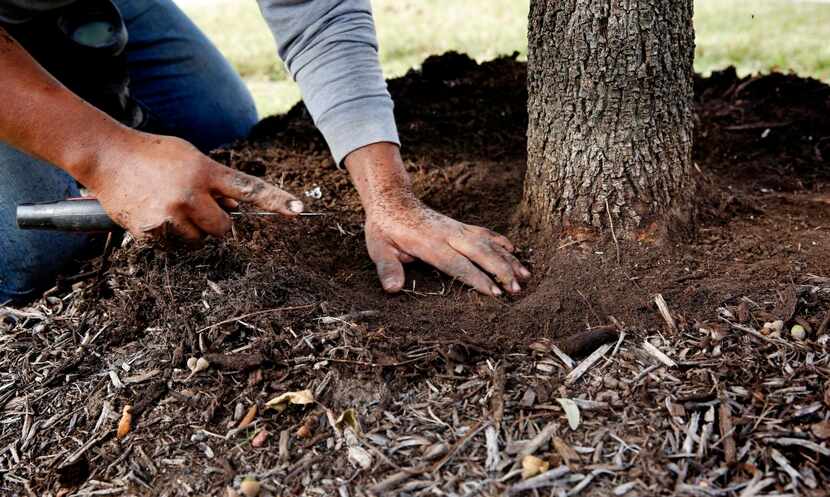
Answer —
610 116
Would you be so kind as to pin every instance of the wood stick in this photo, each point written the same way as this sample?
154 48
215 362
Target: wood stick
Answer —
727 432
585 365
658 354
663 307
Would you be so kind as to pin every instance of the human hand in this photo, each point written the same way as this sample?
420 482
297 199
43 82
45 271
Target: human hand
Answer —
397 234
399 229
160 187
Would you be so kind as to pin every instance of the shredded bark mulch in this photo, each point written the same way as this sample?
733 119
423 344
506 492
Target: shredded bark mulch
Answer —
699 368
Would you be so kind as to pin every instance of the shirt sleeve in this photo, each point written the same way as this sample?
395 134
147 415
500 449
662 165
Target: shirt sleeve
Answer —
330 48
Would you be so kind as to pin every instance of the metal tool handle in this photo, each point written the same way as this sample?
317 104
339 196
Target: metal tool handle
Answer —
82 215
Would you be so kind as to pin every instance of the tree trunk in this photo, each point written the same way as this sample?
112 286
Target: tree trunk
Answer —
610 116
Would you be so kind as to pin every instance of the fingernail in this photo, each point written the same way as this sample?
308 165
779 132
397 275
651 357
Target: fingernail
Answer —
389 284
496 290
515 287
524 272
295 206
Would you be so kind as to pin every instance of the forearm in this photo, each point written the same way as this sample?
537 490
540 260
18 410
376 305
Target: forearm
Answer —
41 117
379 175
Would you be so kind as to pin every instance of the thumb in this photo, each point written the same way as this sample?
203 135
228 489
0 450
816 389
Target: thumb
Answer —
240 186
389 267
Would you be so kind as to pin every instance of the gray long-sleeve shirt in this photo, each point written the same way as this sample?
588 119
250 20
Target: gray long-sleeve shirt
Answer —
330 48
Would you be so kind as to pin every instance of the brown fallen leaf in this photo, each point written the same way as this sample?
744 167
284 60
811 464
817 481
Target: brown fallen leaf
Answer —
249 418
821 430
126 422
304 432
565 451
281 402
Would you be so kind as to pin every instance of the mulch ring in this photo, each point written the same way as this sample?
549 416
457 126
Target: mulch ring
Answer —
700 369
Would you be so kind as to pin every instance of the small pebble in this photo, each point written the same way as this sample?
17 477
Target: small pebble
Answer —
260 439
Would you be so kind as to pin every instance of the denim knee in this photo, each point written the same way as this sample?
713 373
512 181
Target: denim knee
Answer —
29 260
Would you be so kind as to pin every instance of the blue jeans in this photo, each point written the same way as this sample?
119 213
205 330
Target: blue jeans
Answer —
188 88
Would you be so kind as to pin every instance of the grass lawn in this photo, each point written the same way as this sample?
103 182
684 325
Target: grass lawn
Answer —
754 35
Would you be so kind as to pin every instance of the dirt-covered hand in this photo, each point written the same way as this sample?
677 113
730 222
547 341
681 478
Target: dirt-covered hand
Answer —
397 233
163 187
399 229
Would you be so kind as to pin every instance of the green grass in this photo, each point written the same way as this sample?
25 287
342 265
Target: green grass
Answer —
754 35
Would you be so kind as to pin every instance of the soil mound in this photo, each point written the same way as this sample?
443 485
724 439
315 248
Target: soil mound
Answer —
451 388
761 141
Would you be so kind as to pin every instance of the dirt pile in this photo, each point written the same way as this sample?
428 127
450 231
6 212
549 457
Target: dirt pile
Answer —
761 142
440 377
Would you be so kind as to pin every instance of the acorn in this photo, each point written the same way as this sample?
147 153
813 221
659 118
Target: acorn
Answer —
249 487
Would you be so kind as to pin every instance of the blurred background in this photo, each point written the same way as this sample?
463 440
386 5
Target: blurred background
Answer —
754 35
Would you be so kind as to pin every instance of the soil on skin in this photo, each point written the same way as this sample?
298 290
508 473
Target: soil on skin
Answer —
762 143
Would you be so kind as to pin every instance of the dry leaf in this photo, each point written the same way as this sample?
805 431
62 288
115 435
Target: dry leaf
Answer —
304 432
248 419
281 403
532 466
565 451
571 411
821 430
349 419
126 422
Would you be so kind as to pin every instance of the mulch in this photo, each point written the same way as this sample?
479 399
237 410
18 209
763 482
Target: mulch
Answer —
696 368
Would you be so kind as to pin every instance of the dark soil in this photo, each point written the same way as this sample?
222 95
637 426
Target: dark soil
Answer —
762 145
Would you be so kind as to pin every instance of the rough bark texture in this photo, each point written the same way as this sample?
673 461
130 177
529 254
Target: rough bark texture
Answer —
610 110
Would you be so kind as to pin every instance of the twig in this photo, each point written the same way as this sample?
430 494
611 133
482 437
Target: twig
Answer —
257 313
539 440
461 443
491 436
658 354
663 307
727 433
585 365
754 333
546 479
345 318
9 311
